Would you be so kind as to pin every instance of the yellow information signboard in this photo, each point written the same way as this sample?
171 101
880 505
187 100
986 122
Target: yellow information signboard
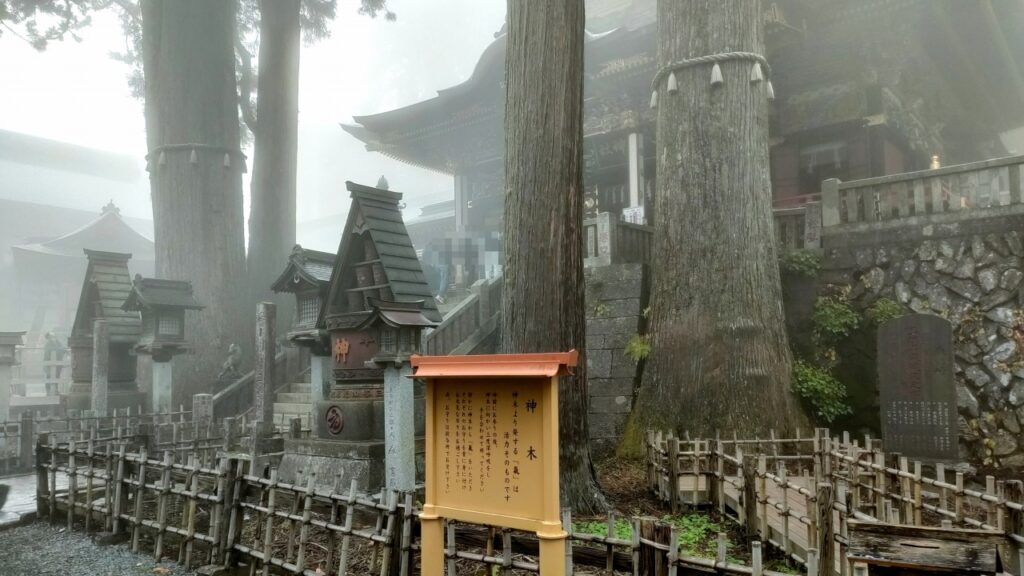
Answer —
492 448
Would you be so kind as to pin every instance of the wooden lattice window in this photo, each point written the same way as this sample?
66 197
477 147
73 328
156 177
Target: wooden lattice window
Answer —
169 325
309 309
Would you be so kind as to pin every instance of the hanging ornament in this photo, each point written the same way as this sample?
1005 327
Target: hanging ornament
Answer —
771 92
193 158
654 99
756 75
673 84
227 160
716 75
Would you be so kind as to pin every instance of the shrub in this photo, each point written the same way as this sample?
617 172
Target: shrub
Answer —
825 395
885 309
804 262
638 347
834 318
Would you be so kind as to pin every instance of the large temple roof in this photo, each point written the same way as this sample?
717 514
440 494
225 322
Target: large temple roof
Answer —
970 50
108 233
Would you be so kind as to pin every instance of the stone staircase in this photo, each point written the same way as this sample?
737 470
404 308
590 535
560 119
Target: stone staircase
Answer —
293 401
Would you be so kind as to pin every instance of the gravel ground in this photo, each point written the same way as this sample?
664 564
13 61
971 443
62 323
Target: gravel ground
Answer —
39 549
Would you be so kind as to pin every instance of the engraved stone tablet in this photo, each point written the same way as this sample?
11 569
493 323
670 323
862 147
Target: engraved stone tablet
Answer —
916 387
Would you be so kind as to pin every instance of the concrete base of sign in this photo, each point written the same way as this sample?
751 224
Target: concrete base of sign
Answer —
116 400
337 462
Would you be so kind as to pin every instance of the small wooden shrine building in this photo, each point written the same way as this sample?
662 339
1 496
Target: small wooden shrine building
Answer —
376 272
105 288
308 277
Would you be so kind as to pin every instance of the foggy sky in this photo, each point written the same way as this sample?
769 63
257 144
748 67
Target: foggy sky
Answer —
74 92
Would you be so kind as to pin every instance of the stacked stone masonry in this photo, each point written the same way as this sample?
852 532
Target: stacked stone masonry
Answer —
970 273
614 304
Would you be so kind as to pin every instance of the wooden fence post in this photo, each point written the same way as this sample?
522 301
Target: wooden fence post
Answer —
26 441
673 473
42 483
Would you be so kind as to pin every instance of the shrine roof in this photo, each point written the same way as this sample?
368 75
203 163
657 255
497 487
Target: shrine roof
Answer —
154 292
376 211
108 232
539 365
312 266
105 288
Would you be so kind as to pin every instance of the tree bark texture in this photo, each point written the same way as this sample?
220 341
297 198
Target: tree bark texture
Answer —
719 356
272 209
195 169
542 300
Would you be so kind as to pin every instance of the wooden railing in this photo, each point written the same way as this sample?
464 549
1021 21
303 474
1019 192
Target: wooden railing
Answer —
212 511
469 323
609 240
237 397
798 227
976 186
799 494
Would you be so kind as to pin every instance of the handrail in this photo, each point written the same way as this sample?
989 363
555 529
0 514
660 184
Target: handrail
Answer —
934 172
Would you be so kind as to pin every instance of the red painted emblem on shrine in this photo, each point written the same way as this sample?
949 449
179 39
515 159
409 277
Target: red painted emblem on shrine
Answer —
335 420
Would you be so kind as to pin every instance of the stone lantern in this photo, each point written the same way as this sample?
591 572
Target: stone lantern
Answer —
398 326
162 304
9 341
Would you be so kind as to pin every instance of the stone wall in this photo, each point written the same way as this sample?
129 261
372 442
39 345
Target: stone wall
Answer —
970 272
615 298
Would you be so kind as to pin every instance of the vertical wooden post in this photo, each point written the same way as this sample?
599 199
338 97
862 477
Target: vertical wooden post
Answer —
958 505
26 440
720 490
268 530
42 484
139 493
881 489
89 452
72 483
762 496
190 515
307 515
917 493
673 473
120 493
53 479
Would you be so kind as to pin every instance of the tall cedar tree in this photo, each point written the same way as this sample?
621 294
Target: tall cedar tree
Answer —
719 358
272 210
542 301
195 170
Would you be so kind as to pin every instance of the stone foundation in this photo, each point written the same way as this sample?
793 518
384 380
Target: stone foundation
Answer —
969 272
615 298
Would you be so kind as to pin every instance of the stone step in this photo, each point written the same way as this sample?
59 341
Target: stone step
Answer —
291 408
300 388
294 397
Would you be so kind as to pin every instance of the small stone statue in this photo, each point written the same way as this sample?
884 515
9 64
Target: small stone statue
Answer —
230 367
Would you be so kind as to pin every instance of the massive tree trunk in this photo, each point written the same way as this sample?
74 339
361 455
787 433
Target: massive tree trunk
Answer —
543 296
719 358
195 169
272 210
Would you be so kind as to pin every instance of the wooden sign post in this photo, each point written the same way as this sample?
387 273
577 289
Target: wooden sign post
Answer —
492 449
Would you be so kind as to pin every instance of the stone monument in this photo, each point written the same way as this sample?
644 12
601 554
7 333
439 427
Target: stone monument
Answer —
376 263
916 387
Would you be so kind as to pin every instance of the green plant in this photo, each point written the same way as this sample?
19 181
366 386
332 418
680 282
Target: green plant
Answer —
834 318
804 262
885 309
638 347
601 309
825 395
623 528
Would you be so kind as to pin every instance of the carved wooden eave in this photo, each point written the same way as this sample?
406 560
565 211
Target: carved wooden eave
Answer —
306 270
